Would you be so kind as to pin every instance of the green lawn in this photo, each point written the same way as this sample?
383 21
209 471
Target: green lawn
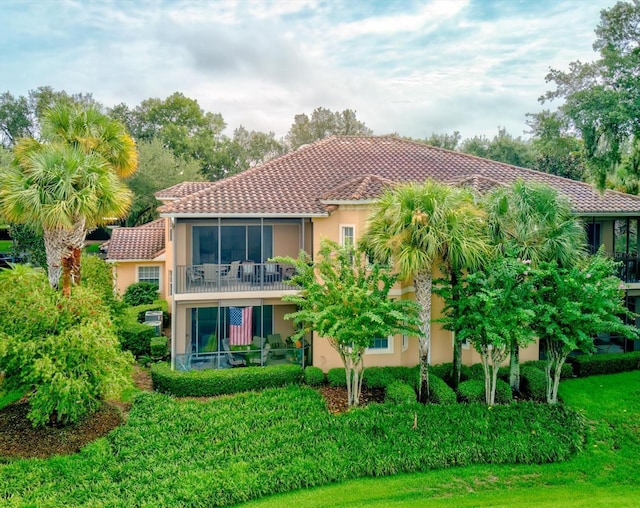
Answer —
606 474
6 245
233 448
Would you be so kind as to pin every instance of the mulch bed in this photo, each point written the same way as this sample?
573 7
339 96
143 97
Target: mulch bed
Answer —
19 439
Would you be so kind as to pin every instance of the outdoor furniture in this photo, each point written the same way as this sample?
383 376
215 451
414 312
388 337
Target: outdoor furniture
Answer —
271 272
248 269
210 273
195 275
234 360
259 356
278 349
232 274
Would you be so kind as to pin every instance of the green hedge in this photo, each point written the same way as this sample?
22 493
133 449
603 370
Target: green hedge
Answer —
533 383
565 373
136 337
208 383
381 377
399 392
445 372
473 391
440 392
336 377
313 376
606 363
158 347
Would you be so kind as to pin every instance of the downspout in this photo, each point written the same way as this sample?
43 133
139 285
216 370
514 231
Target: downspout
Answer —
174 304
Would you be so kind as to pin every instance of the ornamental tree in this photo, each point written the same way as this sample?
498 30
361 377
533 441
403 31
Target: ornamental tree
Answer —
572 306
493 311
347 301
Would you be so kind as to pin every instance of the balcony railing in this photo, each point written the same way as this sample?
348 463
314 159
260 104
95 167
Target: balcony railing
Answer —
629 269
233 277
255 358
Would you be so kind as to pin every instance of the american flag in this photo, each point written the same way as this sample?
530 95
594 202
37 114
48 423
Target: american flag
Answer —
240 326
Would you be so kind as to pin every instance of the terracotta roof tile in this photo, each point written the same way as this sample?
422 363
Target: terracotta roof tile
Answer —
140 243
348 166
182 189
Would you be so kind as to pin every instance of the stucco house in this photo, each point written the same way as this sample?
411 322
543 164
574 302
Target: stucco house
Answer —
220 236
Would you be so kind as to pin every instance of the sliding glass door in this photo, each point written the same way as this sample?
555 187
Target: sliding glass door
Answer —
227 243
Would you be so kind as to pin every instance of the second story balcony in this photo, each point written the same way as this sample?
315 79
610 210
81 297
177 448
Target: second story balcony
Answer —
237 276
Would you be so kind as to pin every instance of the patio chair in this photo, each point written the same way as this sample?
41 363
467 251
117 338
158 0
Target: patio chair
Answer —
234 360
210 273
232 273
259 357
272 272
248 269
276 346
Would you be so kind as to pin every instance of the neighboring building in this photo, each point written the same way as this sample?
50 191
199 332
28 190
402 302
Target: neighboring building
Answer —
138 255
220 237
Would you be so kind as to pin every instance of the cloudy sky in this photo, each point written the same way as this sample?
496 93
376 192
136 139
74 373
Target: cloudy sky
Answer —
406 66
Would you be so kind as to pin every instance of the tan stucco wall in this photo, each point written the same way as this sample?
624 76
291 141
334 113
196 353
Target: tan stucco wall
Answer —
126 273
286 240
168 264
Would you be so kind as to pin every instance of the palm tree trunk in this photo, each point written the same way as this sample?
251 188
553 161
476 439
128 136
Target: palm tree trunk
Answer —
422 285
63 244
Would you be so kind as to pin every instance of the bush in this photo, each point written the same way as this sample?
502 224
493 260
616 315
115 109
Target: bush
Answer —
533 383
476 372
209 383
140 293
473 391
606 363
440 392
565 373
337 378
381 377
398 392
136 337
313 376
445 372
158 347
97 275
62 349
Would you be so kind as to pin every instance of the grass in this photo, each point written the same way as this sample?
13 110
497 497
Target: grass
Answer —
604 475
233 448
6 245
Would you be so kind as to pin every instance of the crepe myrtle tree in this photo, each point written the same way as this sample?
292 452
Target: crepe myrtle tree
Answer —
492 310
572 306
346 300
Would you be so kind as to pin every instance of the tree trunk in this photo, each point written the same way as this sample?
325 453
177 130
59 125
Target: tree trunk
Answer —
514 368
457 344
60 244
422 286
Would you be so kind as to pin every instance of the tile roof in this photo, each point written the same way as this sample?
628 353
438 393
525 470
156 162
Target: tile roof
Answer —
305 181
181 190
143 242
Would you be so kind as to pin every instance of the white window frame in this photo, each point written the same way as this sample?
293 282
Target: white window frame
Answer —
382 351
343 236
146 280
465 345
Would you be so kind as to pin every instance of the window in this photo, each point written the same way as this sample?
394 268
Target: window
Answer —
381 345
236 243
347 236
170 282
149 274
405 342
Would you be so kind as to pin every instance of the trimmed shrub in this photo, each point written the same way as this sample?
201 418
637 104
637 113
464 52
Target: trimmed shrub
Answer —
565 373
606 363
381 377
158 347
533 383
136 337
445 372
336 377
399 392
140 293
209 383
476 372
473 391
440 392
313 376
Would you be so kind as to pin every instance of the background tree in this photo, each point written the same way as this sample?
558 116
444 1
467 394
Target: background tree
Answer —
324 123
572 306
530 221
602 98
347 301
158 169
446 141
417 226
502 148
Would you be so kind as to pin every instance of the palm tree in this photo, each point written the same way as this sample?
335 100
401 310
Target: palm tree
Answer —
418 226
531 221
61 189
70 131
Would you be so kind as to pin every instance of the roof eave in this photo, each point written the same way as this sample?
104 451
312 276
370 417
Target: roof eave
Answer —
194 215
